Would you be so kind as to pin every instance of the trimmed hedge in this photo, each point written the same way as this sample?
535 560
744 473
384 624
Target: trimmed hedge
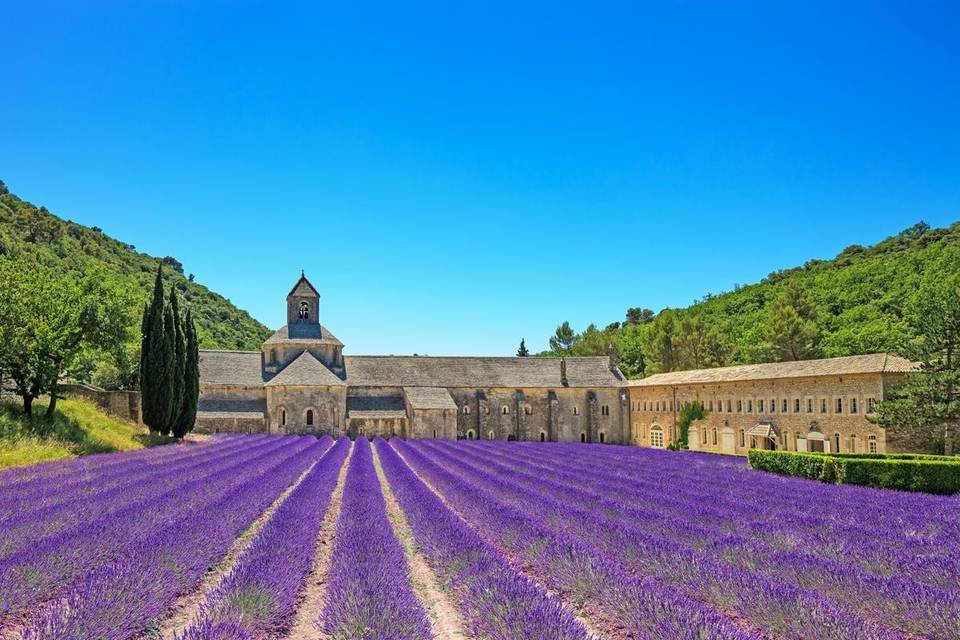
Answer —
906 472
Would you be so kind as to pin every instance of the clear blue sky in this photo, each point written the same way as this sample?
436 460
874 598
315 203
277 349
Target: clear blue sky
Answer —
454 179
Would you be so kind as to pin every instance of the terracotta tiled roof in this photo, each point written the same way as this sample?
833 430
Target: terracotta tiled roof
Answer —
847 365
305 370
445 371
429 398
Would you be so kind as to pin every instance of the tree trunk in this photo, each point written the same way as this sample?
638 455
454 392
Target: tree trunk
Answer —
52 407
28 405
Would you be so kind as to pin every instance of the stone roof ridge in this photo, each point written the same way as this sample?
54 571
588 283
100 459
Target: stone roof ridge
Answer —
303 280
305 370
227 351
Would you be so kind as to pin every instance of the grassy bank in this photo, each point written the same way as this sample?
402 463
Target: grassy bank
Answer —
77 429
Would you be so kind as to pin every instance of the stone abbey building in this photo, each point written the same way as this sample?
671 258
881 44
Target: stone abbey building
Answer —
301 382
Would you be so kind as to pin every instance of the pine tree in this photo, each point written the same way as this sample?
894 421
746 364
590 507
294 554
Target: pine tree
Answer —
152 361
191 376
168 373
523 352
180 360
791 328
563 338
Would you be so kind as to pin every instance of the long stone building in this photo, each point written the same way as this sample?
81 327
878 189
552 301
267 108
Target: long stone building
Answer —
811 405
300 381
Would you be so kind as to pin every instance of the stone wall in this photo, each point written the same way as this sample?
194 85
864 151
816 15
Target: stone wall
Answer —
735 407
289 409
120 404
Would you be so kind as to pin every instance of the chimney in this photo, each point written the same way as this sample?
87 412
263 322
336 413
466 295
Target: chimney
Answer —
612 358
563 372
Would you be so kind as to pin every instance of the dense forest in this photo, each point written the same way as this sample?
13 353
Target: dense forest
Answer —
849 305
32 235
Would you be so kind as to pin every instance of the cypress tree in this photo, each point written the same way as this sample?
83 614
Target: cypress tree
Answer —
152 379
180 360
168 373
191 375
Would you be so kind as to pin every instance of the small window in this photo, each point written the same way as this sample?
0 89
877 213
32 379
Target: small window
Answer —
486 410
796 405
749 406
871 406
543 437
711 405
309 417
872 444
504 409
466 409
434 433
583 437
743 438
836 443
739 406
703 436
527 409
576 411
304 312
491 435
839 405
283 418
823 405
605 410
603 437
809 405
714 436
785 407
760 406
720 406
470 434
853 406
729 406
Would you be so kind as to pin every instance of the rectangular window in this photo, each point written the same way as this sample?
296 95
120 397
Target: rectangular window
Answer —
729 406
739 406
750 406
872 444
853 405
871 405
809 405
743 438
714 437
711 405
703 435
839 405
823 405
761 405
796 405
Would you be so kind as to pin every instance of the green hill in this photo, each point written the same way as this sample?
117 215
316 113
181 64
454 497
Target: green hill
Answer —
32 233
859 298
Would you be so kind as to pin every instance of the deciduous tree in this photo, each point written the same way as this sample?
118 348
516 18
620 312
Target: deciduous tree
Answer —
791 329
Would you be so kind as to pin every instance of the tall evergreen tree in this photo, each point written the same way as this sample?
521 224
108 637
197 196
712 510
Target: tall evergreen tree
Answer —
563 338
191 376
659 347
791 329
152 376
523 352
180 359
166 387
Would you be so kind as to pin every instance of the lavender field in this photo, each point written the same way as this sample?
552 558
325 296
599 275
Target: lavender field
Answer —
294 537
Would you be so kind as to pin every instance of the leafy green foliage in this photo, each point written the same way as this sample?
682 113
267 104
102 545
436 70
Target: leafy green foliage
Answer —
523 352
688 414
36 236
857 301
929 474
191 387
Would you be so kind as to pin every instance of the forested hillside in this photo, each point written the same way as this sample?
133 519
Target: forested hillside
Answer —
852 304
33 234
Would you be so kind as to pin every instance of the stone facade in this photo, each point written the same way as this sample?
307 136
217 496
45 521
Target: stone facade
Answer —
301 382
817 405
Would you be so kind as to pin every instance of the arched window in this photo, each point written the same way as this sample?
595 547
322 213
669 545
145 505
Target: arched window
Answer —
714 436
466 409
576 411
603 437
304 312
491 435
543 437
583 437
309 417
470 434
656 436
836 443
283 417
527 409
853 443
504 409
872 444
434 433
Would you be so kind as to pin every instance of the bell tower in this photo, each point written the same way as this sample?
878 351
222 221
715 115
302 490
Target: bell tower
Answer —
303 310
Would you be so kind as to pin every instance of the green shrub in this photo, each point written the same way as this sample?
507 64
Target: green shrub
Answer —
906 472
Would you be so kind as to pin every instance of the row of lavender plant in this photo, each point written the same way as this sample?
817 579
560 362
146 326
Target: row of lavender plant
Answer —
82 466
596 582
56 491
368 587
496 601
914 539
122 600
35 574
895 602
258 598
30 527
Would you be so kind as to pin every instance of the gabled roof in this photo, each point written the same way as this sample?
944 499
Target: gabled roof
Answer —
494 372
319 334
846 365
239 368
429 398
303 288
305 370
